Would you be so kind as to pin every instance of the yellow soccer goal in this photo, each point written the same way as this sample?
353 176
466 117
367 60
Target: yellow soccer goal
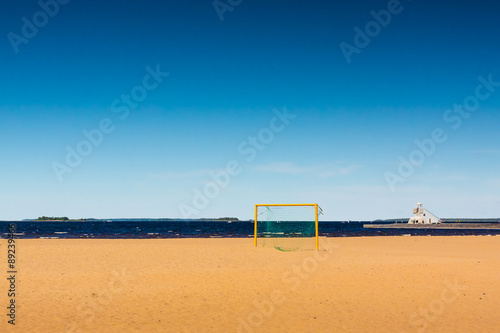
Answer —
287 227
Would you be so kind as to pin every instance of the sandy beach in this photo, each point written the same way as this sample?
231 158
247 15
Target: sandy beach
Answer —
365 284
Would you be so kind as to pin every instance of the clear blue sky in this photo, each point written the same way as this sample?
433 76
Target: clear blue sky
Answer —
353 120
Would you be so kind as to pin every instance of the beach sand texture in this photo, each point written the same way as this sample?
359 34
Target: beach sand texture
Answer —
365 284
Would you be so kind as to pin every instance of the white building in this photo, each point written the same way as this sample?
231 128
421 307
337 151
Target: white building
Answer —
423 216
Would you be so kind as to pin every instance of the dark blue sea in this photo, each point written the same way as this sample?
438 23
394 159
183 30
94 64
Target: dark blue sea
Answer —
139 229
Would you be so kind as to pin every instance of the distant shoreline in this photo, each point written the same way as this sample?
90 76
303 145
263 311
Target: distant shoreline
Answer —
132 220
381 221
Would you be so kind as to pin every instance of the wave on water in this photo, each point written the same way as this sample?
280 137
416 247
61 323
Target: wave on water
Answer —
200 229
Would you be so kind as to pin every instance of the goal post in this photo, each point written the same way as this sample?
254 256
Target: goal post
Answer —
287 227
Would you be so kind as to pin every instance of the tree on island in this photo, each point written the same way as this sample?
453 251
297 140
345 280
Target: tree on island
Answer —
52 218
228 219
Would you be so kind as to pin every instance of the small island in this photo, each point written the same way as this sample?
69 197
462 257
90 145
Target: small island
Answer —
66 219
52 218
228 219
58 219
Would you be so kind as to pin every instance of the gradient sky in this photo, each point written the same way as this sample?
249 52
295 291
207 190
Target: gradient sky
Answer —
353 121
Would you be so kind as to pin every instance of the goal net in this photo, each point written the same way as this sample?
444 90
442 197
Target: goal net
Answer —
290 227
